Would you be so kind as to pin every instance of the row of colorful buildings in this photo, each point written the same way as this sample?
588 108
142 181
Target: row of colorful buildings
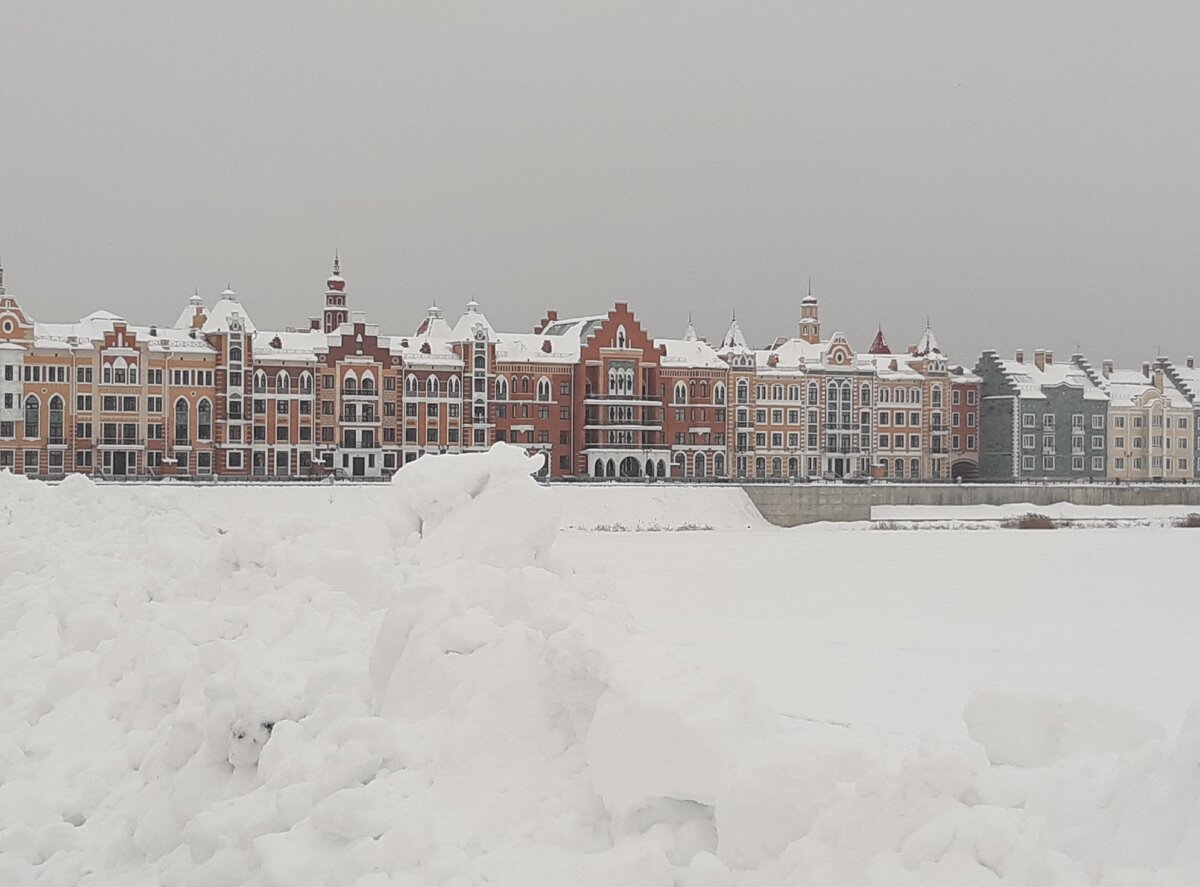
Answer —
213 394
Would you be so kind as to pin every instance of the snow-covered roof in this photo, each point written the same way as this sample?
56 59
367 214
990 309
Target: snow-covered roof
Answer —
894 367
472 319
693 353
224 312
928 343
531 347
733 340
1031 381
1126 387
579 327
301 346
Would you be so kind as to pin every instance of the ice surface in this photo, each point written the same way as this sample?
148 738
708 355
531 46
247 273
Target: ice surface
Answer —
202 690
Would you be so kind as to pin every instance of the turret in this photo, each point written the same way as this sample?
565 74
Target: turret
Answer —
810 318
335 298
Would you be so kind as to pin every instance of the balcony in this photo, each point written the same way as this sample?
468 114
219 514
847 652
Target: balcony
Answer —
360 392
122 442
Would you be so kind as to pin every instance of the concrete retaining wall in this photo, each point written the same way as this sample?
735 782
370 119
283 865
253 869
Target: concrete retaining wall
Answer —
790 506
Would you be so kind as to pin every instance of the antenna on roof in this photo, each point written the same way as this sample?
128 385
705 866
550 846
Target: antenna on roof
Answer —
337 265
810 284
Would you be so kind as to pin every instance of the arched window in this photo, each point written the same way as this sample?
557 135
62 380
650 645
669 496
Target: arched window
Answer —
776 467
629 387
501 388
914 469
181 421
480 360
719 393
760 467
56 419
814 393
681 464
743 391
410 385
701 466
622 339
452 387
235 354
899 468
119 371
306 382
282 383
681 393
598 468
260 381
431 386
719 464
33 417
865 395
204 420
613 384
543 388
367 386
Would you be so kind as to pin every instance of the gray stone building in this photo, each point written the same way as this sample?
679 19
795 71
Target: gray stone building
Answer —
1040 420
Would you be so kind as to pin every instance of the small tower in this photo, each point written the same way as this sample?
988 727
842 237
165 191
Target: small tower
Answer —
880 345
335 298
810 318
1 278
689 334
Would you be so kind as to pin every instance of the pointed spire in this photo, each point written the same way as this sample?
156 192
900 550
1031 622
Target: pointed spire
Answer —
689 334
337 263
1 278
880 345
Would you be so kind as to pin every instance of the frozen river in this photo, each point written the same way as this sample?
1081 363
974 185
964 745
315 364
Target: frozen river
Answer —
896 629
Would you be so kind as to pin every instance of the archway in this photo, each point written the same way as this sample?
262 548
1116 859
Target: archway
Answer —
630 467
964 469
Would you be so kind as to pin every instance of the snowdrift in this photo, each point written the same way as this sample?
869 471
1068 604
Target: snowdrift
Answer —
200 695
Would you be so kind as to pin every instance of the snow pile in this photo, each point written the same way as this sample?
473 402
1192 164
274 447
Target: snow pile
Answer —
201 696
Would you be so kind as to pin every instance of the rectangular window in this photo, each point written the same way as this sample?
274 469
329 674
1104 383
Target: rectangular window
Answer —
31 461
1048 420
83 458
885 441
1077 420
776 417
914 442
83 402
1047 463
1097 441
8 429
1028 420
1028 441
970 441
1027 463
1077 463
281 432
431 435
110 403
1097 463
281 408
129 404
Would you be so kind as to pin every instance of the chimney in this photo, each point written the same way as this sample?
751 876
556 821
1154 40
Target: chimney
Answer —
1039 358
314 323
1049 358
551 316
1146 368
546 346
1158 377
1107 367
1191 362
1020 356
912 350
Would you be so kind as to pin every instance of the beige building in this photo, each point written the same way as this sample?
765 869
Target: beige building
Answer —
1150 430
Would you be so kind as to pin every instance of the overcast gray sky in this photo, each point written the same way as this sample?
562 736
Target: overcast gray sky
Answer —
1026 173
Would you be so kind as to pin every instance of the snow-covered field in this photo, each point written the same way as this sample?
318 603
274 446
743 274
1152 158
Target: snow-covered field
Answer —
429 684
